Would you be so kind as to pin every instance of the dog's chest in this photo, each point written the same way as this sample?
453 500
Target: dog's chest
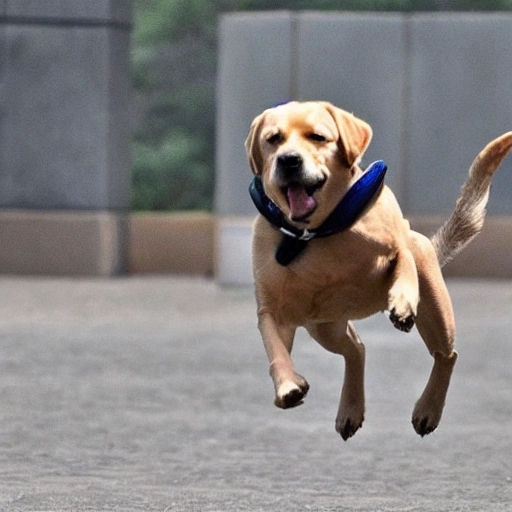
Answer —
327 283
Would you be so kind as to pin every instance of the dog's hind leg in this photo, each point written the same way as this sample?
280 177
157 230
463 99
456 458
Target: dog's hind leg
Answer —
341 338
436 325
435 316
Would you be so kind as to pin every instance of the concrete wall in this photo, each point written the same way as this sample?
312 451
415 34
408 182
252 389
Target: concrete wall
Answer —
434 87
64 134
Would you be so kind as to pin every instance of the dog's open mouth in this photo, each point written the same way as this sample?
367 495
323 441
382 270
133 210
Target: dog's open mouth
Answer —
301 199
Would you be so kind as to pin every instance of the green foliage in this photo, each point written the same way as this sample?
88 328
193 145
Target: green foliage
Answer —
171 173
173 71
173 63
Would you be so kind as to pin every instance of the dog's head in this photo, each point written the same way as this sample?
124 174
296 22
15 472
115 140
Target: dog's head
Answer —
307 155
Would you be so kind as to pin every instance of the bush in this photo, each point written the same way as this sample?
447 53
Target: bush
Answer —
171 175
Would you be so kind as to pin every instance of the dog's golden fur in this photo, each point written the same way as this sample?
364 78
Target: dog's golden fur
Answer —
307 155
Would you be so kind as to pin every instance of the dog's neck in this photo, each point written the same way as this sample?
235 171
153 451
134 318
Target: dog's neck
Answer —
352 205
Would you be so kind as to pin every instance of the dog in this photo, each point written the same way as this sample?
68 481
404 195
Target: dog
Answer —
331 245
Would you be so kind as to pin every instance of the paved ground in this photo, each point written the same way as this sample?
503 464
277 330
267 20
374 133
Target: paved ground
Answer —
153 394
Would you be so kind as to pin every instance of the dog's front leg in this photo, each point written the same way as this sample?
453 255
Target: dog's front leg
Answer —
404 295
290 387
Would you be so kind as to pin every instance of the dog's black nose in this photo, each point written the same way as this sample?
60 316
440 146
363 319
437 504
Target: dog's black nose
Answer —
290 162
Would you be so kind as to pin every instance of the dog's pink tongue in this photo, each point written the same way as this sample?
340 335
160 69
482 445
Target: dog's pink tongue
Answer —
301 204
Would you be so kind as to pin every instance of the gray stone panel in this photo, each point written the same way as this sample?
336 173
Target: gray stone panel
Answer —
107 10
434 87
61 141
358 62
254 74
461 98
3 68
117 144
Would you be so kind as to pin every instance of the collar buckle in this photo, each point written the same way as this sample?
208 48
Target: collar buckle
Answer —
307 235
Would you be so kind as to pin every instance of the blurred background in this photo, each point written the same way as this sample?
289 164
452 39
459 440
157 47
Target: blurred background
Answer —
122 122
174 64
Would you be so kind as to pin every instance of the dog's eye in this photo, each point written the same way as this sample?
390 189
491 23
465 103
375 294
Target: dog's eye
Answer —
275 138
316 137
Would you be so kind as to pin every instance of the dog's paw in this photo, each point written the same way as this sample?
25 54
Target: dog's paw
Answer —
403 302
350 417
402 322
423 426
347 427
291 394
426 419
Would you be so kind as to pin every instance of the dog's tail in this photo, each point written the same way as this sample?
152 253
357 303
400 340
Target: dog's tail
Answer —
468 217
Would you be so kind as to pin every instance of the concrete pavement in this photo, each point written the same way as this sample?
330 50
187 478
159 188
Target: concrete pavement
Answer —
153 394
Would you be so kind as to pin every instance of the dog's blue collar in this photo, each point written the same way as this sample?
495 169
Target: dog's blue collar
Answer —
357 199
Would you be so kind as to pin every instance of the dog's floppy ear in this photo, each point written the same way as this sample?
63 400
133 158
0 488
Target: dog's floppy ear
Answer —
354 134
252 145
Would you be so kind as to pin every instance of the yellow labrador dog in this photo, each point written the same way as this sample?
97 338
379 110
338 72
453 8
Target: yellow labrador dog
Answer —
331 246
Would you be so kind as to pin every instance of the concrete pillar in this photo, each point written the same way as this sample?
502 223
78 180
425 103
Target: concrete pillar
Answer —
64 136
460 98
255 72
434 87
358 62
